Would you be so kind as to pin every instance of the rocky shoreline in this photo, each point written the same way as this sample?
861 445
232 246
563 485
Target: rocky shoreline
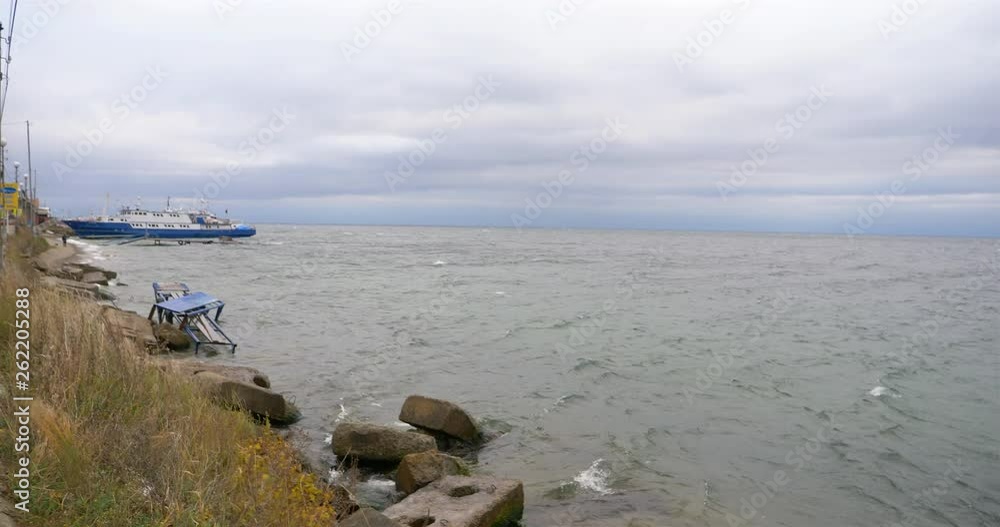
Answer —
425 461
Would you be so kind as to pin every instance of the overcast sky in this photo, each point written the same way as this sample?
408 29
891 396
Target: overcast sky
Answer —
783 115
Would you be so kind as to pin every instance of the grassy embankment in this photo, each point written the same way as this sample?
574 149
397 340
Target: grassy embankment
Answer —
118 442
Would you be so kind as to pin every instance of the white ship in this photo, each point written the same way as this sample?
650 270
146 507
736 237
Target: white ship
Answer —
164 224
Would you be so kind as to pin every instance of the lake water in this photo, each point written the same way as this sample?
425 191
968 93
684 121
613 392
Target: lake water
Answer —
641 378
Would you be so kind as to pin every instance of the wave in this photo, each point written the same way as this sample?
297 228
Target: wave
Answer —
595 478
343 414
89 251
880 391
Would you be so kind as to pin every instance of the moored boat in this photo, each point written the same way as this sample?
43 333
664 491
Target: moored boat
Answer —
165 224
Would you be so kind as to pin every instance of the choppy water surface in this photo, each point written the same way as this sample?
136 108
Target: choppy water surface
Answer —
644 378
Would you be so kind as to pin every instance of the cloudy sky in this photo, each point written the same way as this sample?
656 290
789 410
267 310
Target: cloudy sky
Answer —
871 116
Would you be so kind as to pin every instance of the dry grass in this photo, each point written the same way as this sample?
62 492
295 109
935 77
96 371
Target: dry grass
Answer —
118 442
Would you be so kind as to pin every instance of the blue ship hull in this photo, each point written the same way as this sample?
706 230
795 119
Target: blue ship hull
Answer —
94 229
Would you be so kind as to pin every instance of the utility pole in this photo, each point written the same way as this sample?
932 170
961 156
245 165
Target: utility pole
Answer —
3 182
3 197
31 183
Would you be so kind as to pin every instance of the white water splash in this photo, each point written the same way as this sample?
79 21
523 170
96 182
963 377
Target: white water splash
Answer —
343 414
879 391
595 478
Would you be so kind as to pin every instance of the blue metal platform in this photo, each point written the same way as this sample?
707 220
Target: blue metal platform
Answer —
193 311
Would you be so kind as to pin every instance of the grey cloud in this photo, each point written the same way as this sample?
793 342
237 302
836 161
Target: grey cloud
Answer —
354 120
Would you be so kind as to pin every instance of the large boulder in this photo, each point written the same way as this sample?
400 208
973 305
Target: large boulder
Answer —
131 325
172 337
367 518
88 268
94 277
462 501
78 288
237 373
439 416
72 272
418 470
378 443
257 400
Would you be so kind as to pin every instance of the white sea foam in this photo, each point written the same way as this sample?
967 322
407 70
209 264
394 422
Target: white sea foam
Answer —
343 413
595 478
439 263
328 439
879 391
380 483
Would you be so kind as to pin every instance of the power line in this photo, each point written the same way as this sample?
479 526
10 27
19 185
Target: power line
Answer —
6 62
5 84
